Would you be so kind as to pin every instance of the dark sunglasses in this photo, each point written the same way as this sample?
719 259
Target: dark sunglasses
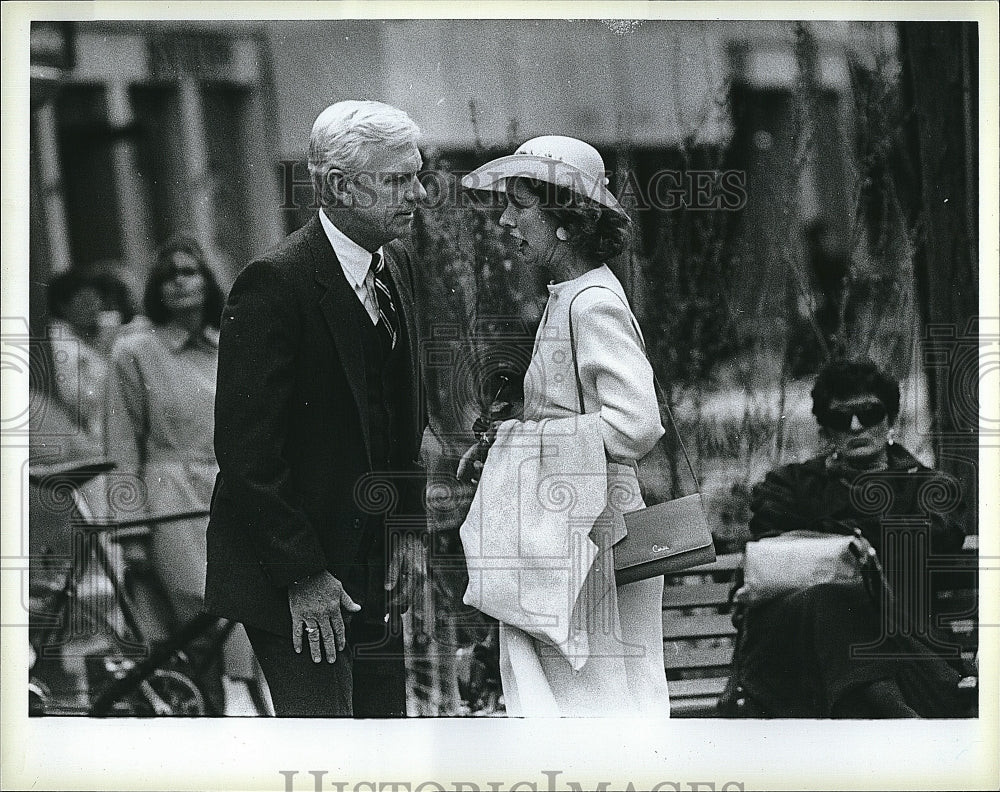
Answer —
840 419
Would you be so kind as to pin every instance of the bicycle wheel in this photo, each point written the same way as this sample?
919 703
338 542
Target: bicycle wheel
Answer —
169 693
39 697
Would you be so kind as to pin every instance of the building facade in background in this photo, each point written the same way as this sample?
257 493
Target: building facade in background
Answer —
158 127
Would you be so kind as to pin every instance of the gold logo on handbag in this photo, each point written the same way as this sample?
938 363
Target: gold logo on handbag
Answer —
665 537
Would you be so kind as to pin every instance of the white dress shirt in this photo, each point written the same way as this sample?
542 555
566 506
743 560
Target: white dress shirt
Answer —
356 263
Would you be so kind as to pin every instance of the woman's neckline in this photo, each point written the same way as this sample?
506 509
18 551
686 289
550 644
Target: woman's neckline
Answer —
554 286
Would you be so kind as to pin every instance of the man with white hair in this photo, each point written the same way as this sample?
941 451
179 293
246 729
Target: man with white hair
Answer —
316 408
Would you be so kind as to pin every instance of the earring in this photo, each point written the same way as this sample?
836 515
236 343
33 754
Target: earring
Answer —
562 234
891 437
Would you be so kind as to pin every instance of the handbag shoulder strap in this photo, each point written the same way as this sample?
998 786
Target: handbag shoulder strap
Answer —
642 346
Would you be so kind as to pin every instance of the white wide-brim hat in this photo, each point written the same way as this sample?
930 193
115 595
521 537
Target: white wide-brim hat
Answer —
555 159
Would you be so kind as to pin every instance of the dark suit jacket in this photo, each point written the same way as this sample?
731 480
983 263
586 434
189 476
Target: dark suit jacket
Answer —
292 432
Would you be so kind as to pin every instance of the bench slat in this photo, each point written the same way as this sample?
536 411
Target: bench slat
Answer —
729 562
960 626
677 657
701 707
689 688
707 626
687 596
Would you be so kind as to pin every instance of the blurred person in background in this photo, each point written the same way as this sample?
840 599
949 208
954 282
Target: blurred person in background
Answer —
79 334
793 657
67 386
159 425
67 372
118 287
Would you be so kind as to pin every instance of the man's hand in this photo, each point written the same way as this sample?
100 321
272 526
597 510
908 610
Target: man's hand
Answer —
407 571
316 604
470 466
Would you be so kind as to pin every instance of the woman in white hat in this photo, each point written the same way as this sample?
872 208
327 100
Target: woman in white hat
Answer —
555 484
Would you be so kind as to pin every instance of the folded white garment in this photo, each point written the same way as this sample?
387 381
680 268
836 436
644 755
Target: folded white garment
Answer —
526 537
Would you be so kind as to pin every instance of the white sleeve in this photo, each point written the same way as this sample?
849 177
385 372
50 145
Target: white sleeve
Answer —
616 375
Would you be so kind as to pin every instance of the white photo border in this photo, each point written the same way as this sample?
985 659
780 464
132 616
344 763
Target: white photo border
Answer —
251 754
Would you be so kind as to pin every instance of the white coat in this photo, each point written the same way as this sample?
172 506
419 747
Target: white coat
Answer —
603 656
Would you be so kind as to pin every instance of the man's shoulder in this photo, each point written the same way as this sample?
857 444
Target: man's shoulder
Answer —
297 246
290 255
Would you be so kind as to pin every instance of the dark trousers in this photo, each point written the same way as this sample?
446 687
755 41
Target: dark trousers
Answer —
368 679
795 658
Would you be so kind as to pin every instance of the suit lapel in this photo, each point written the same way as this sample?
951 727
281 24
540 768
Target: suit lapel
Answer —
342 322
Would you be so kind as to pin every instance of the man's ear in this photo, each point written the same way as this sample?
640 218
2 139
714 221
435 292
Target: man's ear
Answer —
337 187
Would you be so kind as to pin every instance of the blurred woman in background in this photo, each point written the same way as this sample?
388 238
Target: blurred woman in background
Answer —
78 338
159 426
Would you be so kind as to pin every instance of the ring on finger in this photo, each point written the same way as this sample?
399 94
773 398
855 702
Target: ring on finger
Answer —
310 630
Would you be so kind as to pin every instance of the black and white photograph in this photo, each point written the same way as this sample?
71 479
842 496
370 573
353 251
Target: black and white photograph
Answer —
500 396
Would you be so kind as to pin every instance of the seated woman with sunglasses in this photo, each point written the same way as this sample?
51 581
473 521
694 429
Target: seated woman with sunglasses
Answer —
794 656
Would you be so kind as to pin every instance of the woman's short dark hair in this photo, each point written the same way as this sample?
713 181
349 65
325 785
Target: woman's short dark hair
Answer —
64 287
846 379
116 295
163 270
594 231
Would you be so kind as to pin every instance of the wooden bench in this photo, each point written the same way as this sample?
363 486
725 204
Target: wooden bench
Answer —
698 635
955 600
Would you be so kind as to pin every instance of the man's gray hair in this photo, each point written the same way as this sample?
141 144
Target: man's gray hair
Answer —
347 134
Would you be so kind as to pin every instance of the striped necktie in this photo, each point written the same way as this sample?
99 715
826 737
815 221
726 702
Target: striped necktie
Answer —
387 321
